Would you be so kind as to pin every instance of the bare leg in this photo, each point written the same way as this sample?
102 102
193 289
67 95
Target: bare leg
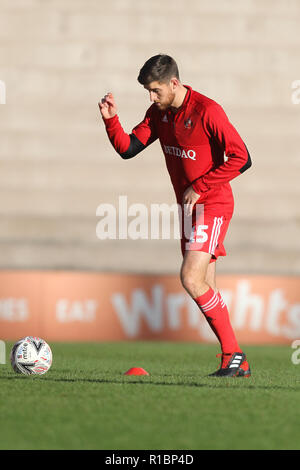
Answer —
198 277
196 274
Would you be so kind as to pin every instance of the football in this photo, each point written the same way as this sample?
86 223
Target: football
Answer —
31 356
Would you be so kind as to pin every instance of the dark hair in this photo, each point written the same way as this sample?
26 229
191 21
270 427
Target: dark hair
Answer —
159 68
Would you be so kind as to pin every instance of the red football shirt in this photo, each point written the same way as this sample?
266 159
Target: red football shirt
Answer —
195 141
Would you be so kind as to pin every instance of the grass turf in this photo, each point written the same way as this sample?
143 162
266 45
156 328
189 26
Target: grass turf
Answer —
86 402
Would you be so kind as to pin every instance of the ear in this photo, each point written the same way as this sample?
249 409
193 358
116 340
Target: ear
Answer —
174 82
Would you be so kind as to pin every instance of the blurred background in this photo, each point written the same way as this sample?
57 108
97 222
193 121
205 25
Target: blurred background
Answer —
59 57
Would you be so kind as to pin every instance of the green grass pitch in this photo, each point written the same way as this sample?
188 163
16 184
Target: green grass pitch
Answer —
86 402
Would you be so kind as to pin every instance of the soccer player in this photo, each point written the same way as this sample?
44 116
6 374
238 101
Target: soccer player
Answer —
203 152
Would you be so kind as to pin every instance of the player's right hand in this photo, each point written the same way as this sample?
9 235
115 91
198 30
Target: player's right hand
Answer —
107 106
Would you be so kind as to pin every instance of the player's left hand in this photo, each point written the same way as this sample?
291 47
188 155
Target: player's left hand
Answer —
190 197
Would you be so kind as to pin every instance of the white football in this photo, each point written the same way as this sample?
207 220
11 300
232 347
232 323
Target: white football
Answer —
31 356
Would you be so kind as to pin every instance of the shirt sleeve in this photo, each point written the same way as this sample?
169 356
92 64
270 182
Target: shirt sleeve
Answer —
129 145
218 127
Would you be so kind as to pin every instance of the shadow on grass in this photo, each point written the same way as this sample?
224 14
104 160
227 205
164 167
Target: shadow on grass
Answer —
214 382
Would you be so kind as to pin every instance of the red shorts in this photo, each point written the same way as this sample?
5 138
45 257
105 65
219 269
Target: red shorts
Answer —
207 234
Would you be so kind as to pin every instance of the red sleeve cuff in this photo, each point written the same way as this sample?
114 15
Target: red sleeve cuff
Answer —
110 122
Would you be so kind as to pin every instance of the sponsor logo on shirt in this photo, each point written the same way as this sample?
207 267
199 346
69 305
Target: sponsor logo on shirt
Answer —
178 152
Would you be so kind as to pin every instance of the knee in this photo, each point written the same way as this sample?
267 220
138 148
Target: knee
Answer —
191 282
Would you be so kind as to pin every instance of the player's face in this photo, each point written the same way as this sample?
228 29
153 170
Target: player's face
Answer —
162 94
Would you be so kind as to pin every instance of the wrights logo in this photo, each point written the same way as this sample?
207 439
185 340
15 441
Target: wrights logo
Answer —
178 152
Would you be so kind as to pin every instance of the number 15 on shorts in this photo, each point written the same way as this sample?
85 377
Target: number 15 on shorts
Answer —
209 237
201 235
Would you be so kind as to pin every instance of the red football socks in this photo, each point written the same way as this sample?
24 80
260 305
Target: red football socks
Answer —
214 309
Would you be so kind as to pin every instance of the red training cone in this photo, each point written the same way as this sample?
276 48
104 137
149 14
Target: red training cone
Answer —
136 371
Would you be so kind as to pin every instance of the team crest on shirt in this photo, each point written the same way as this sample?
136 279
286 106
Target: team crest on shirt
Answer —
165 119
188 123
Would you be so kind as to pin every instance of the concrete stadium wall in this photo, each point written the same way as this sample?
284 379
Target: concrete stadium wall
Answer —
58 58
